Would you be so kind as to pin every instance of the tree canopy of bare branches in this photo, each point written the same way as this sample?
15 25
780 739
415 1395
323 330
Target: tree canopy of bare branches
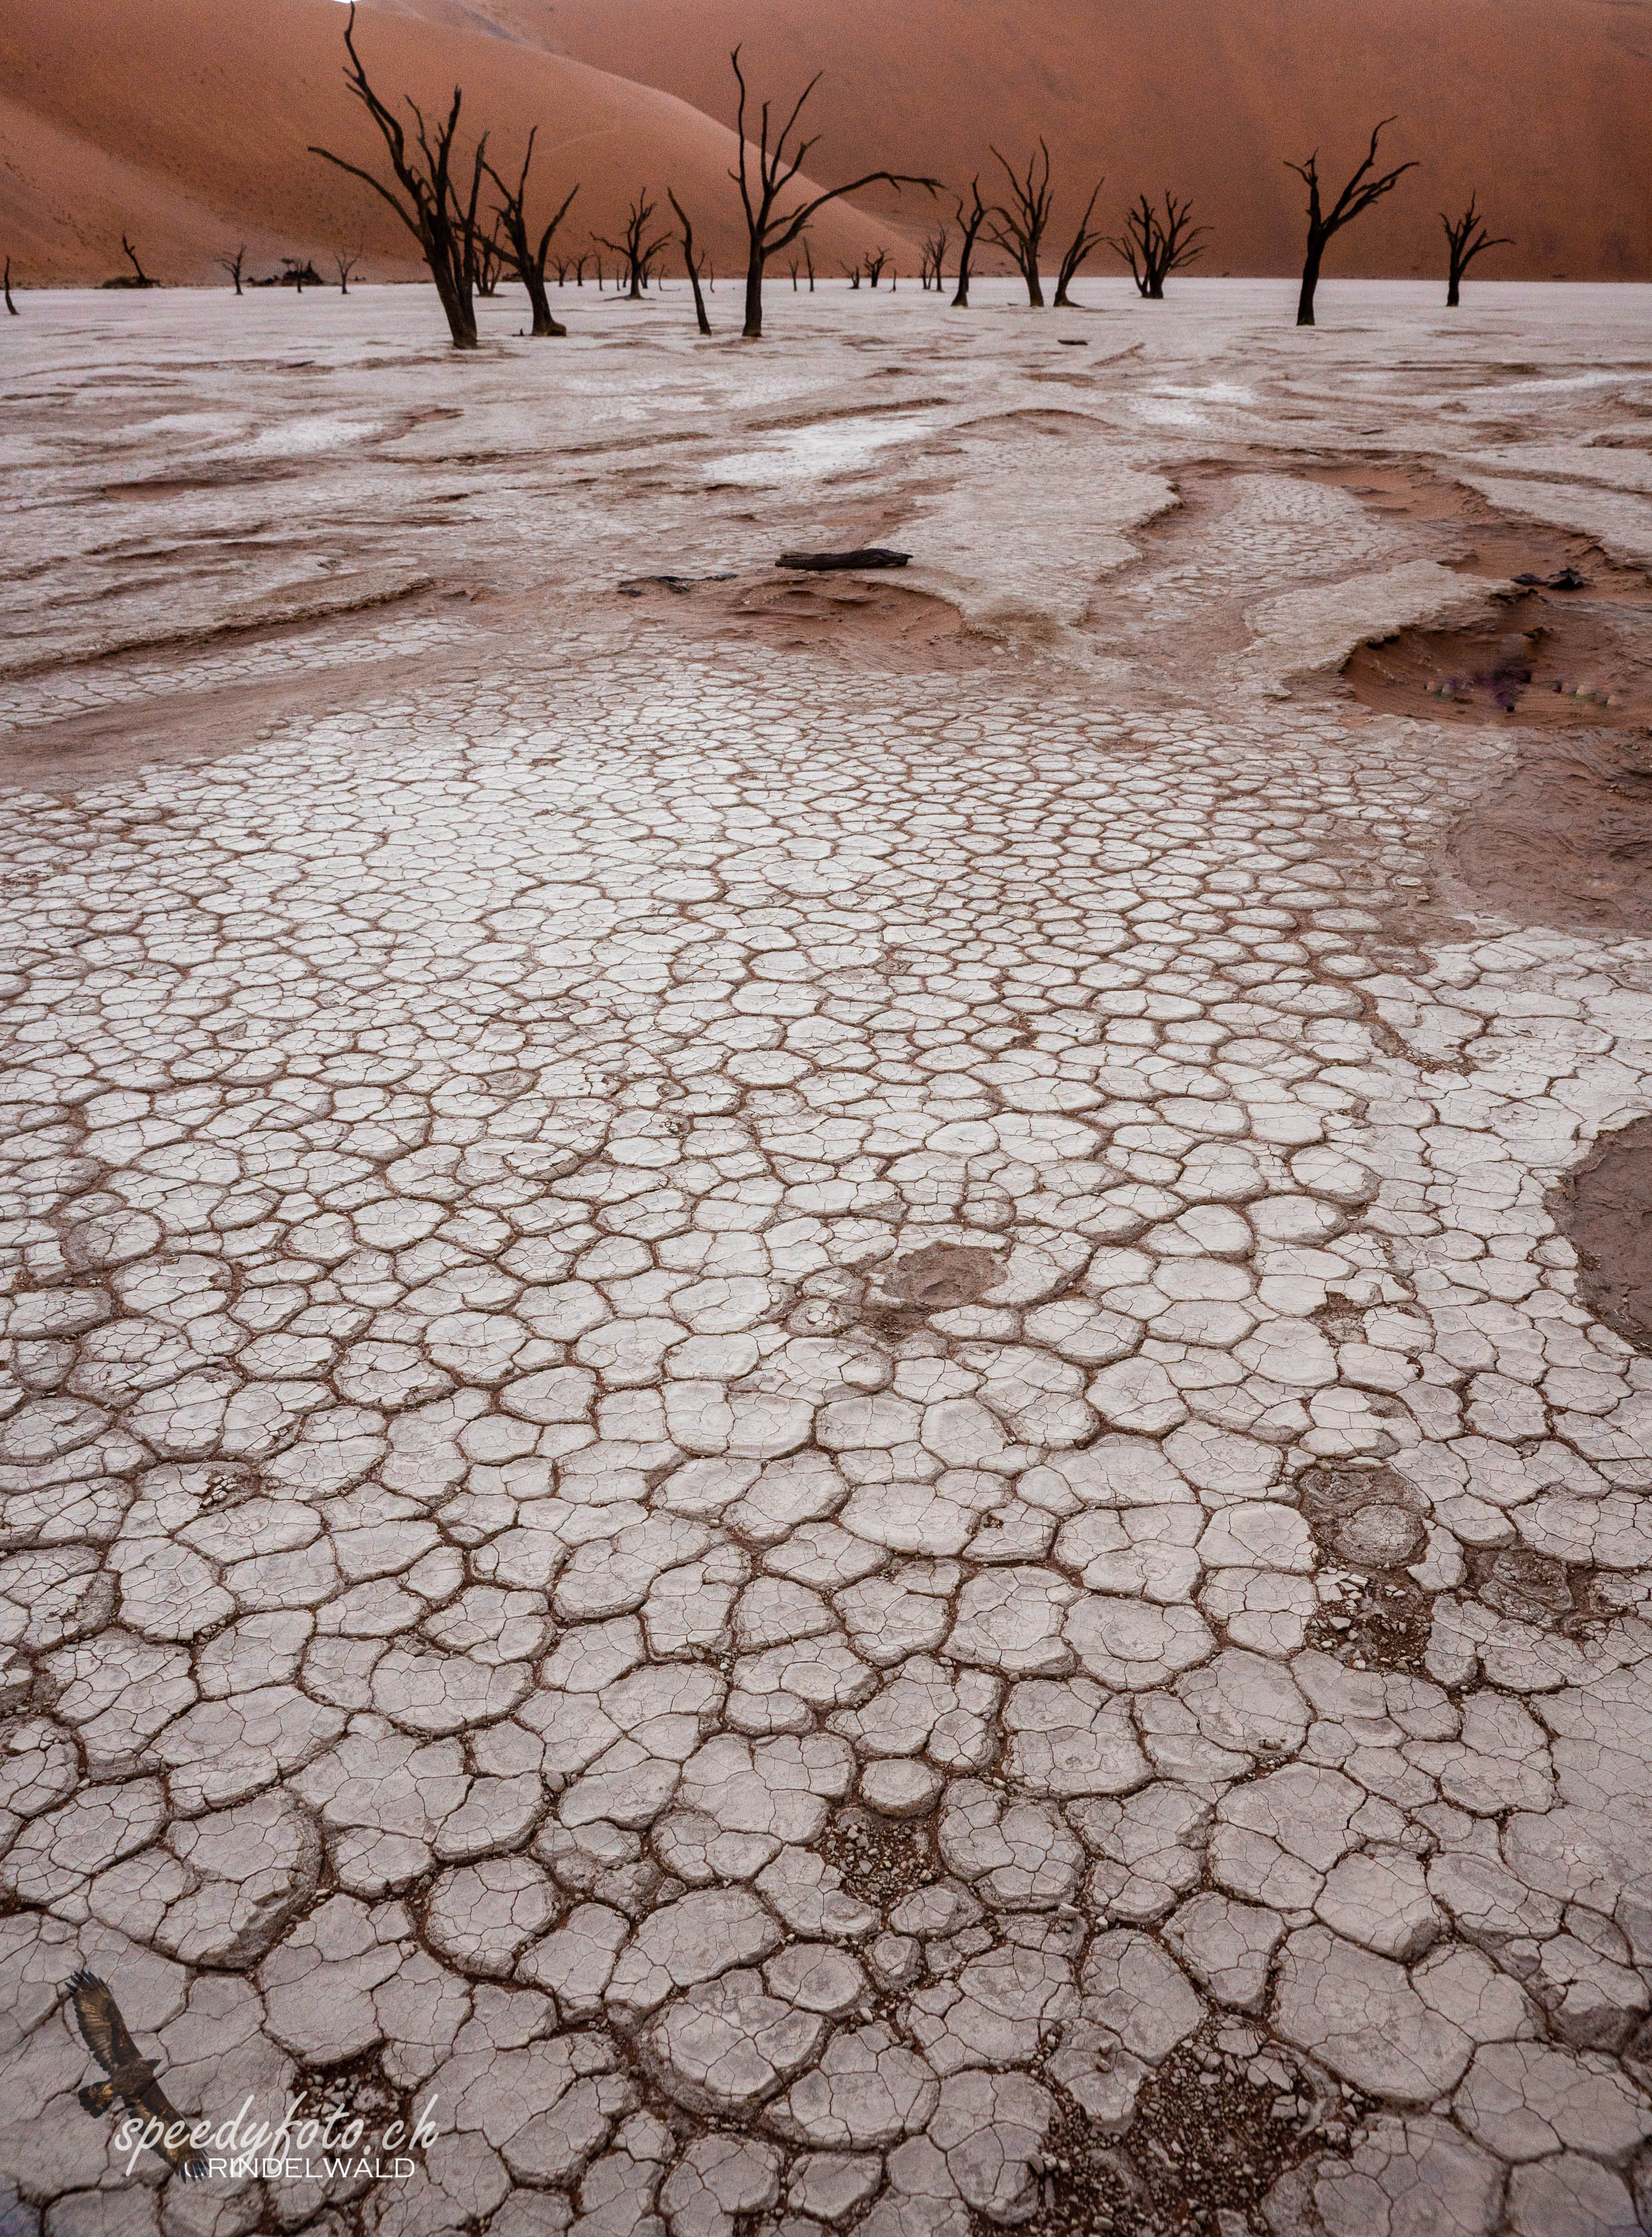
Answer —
234 264
768 230
686 235
525 256
1020 229
636 253
1464 245
1365 186
970 220
1079 249
1153 246
423 197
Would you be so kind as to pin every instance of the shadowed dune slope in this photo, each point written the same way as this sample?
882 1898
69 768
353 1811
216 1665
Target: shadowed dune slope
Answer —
184 122
1541 104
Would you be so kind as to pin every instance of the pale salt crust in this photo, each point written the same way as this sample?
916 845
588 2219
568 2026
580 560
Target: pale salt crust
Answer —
474 1532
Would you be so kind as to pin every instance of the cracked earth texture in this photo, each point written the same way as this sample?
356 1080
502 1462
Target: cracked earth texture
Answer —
802 1410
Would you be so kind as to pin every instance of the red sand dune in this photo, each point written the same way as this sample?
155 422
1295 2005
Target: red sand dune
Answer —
184 122
1542 104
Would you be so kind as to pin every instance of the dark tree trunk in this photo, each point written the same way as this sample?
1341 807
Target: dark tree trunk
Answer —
1309 279
1454 288
752 330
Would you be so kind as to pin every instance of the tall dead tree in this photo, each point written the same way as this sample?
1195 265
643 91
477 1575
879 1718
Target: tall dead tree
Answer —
1463 245
1154 247
424 196
970 219
767 232
1022 227
691 261
525 256
1365 186
637 253
1078 251
934 256
11 306
235 265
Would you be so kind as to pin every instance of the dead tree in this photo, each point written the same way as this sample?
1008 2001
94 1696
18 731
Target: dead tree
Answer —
299 272
525 257
143 278
1365 188
490 263
345 267
1021 230
875 263
637 256
971 221
235 265
808 266
853 273
934 256
11 306
767 232
691 261
424 196
1463 245
1153 246
1079 249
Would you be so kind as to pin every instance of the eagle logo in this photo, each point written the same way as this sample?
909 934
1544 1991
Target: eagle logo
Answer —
131 2078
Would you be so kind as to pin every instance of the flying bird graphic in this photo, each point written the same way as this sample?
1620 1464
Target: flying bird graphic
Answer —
131 2076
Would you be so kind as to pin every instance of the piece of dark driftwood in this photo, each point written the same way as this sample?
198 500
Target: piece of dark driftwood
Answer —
825 562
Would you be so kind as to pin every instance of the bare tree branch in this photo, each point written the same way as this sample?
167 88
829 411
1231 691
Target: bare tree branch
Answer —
1464 246
1021 229
427 203
692 263
767 232
1365 187
526 258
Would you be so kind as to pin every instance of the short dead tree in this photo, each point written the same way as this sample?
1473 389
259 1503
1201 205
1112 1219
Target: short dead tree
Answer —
1154 247
934 258
851 273
875 263
1078 251
345 265
424 196
138 277
808 266
234 264
1464 245
767 231
1365 186
971 218
636 253
11 306
1020 229
525 256
693 262
300 273
490 263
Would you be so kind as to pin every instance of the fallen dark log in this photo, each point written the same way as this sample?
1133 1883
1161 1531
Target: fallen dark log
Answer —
826 563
